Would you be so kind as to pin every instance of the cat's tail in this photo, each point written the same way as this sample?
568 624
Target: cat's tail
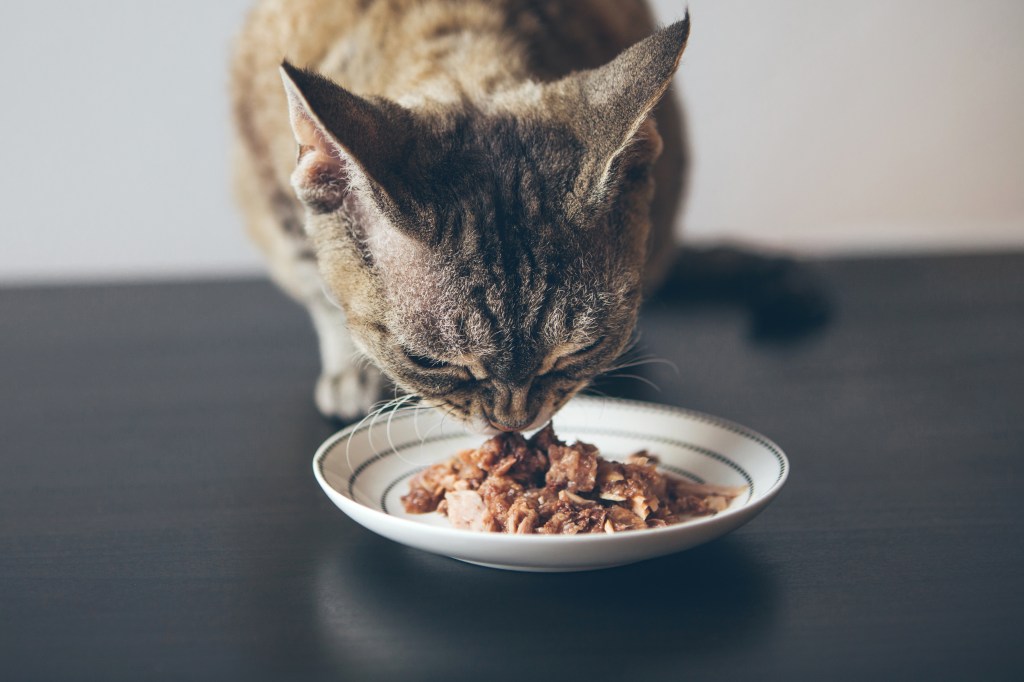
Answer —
784 296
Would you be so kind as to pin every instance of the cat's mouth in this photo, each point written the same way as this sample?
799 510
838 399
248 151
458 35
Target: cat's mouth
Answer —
483 424
498 427
488 425
477 419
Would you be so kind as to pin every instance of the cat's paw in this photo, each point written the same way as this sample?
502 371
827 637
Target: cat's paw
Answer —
350 393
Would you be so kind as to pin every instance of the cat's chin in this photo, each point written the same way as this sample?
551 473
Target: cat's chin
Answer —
481 427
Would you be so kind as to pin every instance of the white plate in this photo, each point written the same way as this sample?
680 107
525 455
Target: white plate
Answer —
365 470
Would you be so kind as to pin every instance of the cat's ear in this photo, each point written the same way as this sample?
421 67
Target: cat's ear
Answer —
614 105
345 142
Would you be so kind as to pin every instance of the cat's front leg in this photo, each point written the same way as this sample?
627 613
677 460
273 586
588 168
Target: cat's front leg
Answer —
349 383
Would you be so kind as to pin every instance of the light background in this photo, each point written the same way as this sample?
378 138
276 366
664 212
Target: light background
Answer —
819 126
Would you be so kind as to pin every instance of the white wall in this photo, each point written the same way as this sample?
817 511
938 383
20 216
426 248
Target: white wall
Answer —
113 140
870 125
818 125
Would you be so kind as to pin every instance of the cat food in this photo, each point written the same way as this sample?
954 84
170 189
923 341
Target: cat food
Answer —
542 485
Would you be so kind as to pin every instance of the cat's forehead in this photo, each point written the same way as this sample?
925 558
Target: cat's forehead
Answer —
500 182
438 303
502 153
502 264
546 147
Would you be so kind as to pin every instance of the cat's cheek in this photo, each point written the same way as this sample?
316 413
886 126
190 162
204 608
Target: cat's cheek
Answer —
479 426
544 416
559 399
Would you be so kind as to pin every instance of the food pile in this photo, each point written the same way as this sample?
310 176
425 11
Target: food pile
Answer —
542 485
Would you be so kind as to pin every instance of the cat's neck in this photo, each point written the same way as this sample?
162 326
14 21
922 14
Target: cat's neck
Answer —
467 54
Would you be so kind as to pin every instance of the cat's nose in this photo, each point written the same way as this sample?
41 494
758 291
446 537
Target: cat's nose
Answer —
504 427
509 410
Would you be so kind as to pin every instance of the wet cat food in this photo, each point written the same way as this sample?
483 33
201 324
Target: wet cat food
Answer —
542 485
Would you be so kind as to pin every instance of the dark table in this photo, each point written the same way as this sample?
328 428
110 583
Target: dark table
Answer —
159 517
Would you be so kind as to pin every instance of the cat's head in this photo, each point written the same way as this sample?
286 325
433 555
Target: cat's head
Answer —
488 254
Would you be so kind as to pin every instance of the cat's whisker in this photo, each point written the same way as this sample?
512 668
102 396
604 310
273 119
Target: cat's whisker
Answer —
432 428
630 347
403 406
375 409
423 437
645 380
396 405
440 424
416 420
645 361
591 391
445 416
387 428
633 354
377 415
421 407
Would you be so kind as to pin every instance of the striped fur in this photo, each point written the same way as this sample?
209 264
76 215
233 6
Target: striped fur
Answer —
474 189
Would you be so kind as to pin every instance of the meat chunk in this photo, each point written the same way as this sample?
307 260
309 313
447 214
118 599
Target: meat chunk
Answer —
545 438
693 499
510 455
499 493
523 516
466 509
427 489
637 485
573 467
620 518
572 514
542 485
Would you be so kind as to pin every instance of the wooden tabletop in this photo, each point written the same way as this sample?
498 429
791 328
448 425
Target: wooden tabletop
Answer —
159 518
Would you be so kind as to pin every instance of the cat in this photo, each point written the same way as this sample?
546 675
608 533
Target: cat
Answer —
469 196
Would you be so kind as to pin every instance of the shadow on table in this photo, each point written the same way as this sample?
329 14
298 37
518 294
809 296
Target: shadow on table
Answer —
402 614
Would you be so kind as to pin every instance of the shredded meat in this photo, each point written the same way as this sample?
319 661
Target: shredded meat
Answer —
542 485
429 487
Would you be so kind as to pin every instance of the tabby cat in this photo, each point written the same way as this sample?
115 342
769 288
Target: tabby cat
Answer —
461 192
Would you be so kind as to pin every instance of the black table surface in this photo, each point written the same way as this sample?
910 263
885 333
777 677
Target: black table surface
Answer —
159 518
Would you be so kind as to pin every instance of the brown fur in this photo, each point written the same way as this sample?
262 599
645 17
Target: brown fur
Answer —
465 200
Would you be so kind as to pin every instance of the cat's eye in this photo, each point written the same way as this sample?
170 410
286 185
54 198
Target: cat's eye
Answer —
424 361
586 349
567 360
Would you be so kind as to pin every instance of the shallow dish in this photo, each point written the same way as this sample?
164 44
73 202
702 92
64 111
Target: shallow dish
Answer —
365 470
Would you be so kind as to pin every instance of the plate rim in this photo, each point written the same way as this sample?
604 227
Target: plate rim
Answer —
348 504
